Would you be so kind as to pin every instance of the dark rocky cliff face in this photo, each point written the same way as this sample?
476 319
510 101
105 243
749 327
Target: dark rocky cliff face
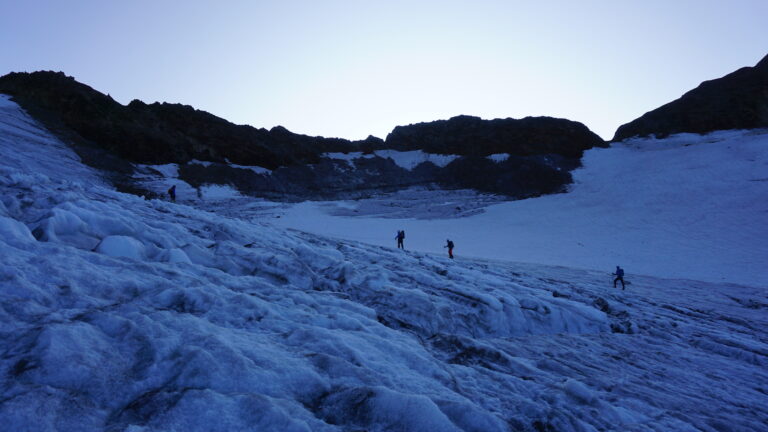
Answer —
107 135
472 136
738 100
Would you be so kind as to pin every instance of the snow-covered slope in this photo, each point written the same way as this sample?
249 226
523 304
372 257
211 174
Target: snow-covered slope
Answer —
118 313
688 206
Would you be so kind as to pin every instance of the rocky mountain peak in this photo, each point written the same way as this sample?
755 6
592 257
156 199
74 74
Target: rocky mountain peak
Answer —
738 100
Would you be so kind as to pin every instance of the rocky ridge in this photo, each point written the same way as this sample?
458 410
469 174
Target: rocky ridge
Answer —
473 136
738 100
112 137
160 132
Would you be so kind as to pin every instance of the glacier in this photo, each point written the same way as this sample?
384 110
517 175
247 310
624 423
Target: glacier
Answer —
125 314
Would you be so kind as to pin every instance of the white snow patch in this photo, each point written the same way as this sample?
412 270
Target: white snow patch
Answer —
348 156
199 162
256 169
167 170
408 159
6 102
219 192
498 157
411 159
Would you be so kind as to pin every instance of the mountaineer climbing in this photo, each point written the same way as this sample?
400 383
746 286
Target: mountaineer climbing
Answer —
400 237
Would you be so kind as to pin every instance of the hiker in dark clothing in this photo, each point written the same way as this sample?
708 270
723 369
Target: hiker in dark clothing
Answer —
172 193
449 245
619 277
400 237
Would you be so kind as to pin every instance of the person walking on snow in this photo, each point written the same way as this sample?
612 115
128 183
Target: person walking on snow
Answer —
449 245
400 237
172 193
619 277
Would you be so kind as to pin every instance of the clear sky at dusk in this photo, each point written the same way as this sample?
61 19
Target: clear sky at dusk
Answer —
354 68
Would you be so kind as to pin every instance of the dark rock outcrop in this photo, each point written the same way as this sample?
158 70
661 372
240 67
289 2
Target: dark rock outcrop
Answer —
161 132
738 100
473 136
516 177
327 179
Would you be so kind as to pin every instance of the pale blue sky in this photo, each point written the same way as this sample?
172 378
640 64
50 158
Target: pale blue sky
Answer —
354 68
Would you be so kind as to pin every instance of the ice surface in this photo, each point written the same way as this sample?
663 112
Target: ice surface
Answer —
14 231
144 315
30 149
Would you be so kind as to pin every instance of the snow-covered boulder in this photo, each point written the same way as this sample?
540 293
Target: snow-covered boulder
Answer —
121 246
12 230
177 255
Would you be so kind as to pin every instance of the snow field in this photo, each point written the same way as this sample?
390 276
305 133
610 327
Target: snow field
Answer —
688 206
